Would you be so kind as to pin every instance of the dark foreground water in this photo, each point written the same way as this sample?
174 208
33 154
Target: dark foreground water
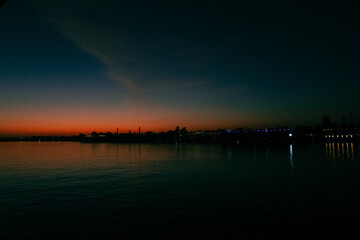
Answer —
191 191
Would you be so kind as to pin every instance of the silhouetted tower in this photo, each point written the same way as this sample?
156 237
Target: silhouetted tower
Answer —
139 131
343 119
117 131
326 121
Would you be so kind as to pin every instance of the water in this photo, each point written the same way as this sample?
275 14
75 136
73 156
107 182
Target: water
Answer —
197 191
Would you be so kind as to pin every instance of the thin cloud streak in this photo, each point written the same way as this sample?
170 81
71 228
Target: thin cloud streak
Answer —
119 53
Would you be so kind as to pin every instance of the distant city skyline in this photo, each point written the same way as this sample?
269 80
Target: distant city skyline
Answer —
75 66
326 123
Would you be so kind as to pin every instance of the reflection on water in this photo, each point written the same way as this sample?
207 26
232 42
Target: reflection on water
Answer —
340 152
291 156
69 189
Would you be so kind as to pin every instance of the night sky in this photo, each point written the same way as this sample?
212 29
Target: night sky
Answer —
71 66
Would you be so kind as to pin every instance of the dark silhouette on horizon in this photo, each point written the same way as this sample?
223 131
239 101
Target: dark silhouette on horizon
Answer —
327 131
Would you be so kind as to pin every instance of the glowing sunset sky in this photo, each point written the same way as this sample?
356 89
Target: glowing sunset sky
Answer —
71 66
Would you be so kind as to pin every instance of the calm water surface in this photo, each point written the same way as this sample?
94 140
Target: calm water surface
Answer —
196 191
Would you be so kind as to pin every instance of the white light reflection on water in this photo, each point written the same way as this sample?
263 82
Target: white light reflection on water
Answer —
291 156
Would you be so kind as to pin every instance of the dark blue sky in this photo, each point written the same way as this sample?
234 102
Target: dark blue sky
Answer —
202 64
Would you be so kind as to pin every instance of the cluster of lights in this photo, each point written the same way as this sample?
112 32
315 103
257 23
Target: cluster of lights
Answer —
338 136
260 130
335 129
246 131
270 130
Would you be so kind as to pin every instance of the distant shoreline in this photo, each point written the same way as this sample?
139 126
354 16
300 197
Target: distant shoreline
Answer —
229 140
238 136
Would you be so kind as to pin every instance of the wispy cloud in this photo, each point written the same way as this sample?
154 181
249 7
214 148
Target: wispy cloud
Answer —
126 59
153 69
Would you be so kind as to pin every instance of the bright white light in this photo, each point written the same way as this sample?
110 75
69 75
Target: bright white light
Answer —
290 134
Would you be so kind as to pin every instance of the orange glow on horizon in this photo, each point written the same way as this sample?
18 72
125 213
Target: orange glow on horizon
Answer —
71 121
